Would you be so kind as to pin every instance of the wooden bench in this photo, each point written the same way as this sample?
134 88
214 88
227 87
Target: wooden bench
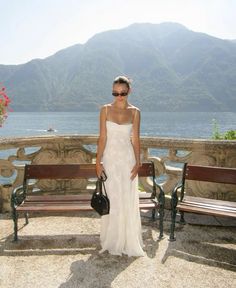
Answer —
25 201
198 205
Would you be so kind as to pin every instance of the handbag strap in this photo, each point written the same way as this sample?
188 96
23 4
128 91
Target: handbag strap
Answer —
104 188
103 176
101 180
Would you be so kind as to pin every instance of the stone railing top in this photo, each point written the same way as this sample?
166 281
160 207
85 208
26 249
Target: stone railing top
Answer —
146 141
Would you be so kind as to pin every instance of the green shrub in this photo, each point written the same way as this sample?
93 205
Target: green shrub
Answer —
230 135
216 135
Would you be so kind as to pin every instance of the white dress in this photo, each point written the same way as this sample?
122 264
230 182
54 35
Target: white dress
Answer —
121 229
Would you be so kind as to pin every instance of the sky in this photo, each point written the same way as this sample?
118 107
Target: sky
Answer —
39 28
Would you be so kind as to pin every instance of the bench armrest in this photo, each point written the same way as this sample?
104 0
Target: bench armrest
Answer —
18 196
176 188
174 196
161 196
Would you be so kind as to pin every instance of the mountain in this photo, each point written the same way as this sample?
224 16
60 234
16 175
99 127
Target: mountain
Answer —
173 69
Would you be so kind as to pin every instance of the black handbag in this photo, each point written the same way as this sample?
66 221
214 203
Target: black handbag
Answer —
99 201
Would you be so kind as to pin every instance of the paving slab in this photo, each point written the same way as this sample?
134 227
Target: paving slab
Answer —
63 251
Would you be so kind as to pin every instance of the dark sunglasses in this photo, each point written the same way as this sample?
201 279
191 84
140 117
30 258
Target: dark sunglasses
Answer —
121 94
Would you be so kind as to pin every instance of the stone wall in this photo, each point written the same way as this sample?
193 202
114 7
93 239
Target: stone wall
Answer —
168 154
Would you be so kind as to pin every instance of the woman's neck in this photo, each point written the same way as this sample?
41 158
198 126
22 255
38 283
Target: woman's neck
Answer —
121 106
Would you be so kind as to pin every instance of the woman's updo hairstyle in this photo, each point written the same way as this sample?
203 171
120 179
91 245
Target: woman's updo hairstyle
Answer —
122 80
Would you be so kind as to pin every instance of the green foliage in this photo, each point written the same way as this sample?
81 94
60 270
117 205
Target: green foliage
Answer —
216 133
228 135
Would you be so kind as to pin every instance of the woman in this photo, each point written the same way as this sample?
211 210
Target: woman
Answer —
119 156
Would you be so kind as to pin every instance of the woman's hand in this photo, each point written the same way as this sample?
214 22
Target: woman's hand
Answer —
134 171
99 169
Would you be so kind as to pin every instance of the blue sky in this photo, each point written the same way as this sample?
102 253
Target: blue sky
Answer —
38 28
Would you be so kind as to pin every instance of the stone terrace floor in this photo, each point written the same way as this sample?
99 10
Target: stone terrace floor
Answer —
63 252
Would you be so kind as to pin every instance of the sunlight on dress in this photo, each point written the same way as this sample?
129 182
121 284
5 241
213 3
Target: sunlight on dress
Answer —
121 229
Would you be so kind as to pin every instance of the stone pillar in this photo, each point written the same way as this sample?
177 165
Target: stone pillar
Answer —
5 200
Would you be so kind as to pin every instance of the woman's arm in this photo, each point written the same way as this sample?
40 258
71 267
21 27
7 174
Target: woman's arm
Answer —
136 143
101 141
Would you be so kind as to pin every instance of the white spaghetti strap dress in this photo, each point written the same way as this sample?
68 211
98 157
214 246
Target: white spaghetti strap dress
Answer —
121 228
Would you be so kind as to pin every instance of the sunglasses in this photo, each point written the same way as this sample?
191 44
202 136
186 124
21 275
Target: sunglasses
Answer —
119 94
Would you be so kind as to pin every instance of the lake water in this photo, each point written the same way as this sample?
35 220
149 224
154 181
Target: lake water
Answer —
163 124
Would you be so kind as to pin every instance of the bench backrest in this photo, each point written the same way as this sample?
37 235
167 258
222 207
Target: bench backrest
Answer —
210 174
59 171
74 171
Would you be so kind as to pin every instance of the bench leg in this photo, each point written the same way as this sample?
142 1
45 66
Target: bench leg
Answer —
15 220
174 201
172 227
154 212
26 218
161 213
182 221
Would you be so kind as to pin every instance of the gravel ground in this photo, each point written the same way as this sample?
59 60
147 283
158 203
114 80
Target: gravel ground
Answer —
63 252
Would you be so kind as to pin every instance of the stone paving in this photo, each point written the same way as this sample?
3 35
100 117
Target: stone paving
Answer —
63 251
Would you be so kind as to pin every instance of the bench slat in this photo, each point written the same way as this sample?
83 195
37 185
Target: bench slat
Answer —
210 207
73 171
71 206
60 171
211 174
209 202
145 195
207 207
57 197
65 203
56 208
72 197
205 211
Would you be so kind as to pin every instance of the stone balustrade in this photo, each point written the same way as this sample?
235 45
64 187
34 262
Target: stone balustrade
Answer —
168 154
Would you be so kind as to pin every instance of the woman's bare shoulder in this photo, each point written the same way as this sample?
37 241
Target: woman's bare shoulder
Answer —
133 108
105 106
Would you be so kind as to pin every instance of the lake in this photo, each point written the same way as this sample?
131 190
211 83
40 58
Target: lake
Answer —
163 124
